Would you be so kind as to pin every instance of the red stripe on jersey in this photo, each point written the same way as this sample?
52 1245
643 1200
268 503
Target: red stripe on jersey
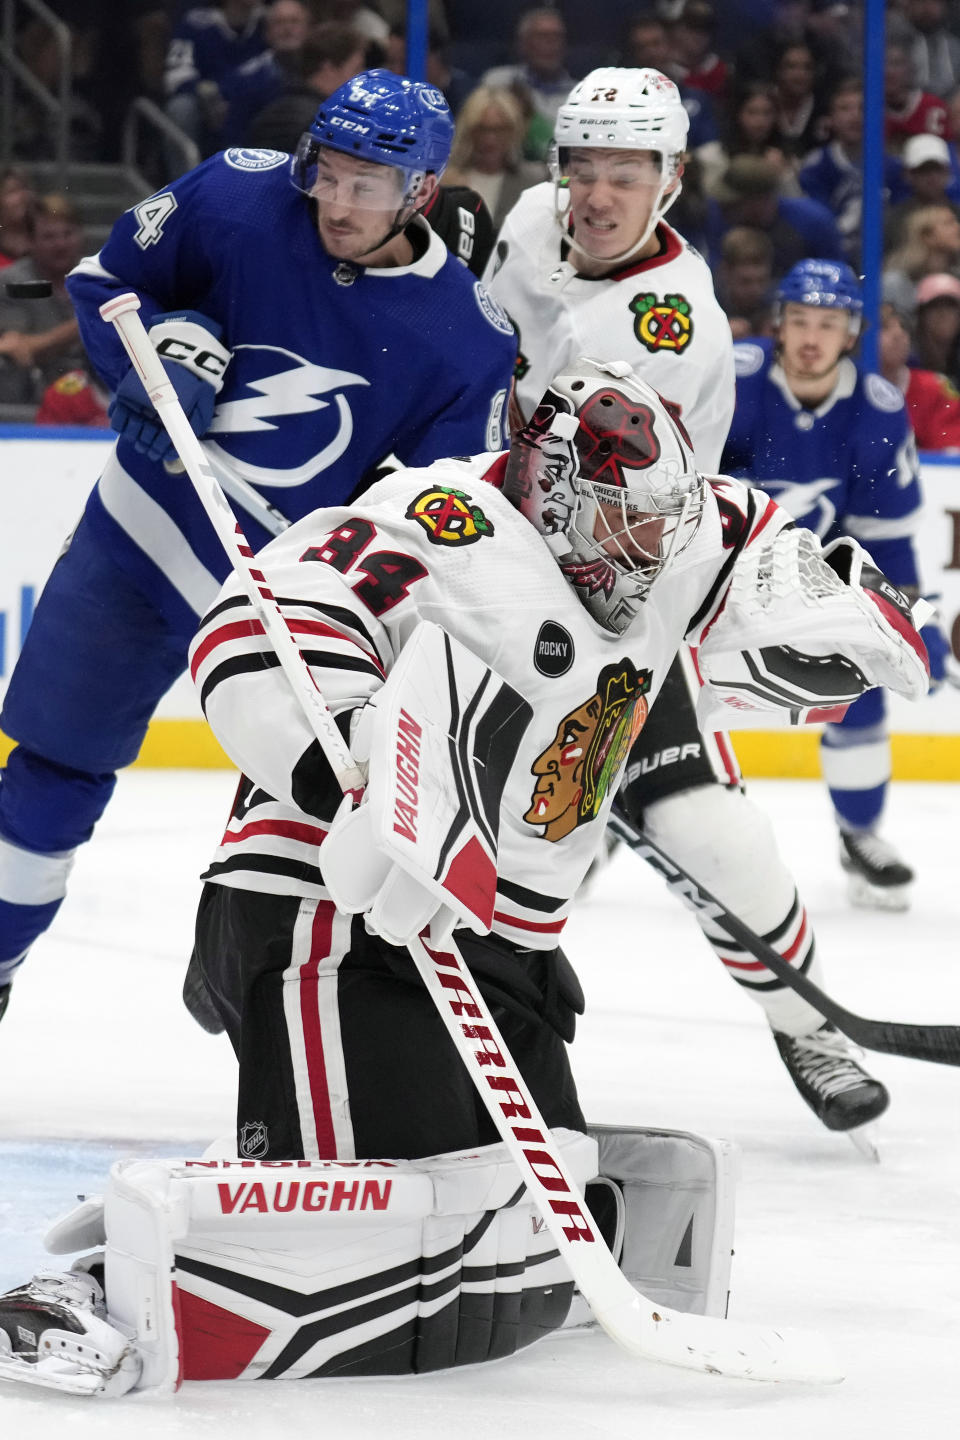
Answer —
670 247
789 954
317 627
728 756
744 964
768 515
551 927
321 943
800 940
236 630
285 829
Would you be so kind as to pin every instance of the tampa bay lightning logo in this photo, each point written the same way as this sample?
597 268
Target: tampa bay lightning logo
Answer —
272 389
807 502
247 158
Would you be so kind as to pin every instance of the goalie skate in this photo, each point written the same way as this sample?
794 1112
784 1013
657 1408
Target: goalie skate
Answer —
877 878
824 1068
54 1333
4 999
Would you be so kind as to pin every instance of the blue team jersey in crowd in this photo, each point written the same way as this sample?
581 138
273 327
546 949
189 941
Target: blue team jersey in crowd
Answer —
848 467
334 366
205 46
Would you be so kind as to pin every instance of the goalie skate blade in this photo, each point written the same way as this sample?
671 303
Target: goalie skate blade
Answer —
863 1142
720 1347
50 1375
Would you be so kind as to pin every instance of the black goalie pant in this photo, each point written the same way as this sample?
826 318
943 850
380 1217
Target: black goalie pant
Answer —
672 753
342 1053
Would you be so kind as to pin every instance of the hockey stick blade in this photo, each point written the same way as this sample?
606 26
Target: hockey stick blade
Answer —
937 1043
645 1329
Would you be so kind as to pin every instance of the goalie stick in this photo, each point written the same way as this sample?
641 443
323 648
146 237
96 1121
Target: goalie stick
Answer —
938 1043
654 1332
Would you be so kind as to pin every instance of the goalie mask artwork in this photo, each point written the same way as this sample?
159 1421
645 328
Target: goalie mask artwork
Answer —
607 476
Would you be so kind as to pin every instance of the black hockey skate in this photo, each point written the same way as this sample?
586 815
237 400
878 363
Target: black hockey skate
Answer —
4 999
824 1068
879 879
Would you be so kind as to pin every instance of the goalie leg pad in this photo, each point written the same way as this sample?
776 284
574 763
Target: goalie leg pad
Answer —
664 1200
228 1269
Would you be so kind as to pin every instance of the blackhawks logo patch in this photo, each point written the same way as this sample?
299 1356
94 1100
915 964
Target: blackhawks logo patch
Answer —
665 324
449 516
582 763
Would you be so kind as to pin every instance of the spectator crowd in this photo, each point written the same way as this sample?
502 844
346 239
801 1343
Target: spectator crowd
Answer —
773 174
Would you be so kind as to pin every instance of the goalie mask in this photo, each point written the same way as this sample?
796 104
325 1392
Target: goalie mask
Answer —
607 476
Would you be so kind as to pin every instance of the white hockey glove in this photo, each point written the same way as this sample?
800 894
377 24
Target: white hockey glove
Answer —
806 629
422 847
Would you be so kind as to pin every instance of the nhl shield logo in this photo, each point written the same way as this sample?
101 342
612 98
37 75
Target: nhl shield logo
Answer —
665 324
253 1141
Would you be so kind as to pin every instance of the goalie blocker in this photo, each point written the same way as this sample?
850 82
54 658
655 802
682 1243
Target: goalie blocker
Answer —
232 1269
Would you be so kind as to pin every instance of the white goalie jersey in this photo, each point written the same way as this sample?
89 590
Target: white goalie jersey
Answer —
659 315
444 545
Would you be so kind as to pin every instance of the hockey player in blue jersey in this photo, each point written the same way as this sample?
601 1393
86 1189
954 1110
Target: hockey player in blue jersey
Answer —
832 444
310 329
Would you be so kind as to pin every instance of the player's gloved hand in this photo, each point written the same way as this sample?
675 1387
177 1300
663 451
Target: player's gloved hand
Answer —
421 848
938 649
193 357
363 880
944 668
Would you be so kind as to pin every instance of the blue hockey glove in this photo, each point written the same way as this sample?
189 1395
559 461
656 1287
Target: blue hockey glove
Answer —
942 666
189 346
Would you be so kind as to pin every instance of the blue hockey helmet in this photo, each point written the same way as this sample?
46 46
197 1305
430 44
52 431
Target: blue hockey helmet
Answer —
830 284
385 119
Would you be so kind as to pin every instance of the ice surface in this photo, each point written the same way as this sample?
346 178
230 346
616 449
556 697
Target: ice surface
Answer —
98 1059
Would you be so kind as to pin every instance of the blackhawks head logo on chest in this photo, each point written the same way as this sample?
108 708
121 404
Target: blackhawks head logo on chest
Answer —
665 324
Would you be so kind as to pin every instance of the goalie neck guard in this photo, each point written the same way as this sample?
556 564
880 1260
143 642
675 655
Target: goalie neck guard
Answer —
621 109
607 476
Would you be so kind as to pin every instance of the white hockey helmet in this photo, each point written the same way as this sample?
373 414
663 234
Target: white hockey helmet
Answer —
606 474
621 109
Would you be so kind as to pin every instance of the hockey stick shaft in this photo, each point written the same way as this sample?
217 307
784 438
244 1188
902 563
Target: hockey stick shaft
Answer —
122 312
938 1043
655 1332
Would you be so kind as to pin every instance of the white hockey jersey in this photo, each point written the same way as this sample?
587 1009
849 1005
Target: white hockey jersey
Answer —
659 315
443 544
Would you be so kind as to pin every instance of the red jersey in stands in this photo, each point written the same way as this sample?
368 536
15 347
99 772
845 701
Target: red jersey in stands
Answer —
934 409
923 114
73 400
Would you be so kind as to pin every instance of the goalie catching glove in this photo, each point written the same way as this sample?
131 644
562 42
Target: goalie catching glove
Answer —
438 740
808 629
194 359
